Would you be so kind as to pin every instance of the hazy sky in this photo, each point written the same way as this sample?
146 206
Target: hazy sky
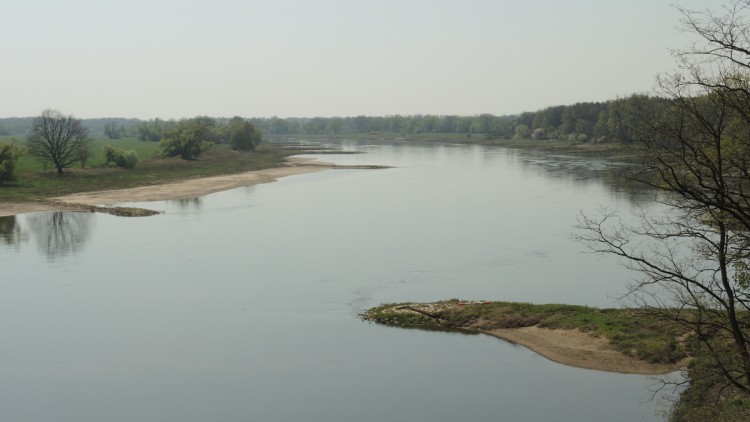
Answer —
181 58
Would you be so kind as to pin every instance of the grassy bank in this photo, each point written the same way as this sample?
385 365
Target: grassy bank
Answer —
34 182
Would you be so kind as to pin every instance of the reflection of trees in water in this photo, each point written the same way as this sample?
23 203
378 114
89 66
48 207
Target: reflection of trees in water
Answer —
187 206
10 231
60 233
585 170
188 203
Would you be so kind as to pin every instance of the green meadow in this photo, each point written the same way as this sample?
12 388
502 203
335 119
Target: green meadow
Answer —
34 182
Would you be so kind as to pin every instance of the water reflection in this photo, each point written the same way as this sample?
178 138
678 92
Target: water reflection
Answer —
188 203
585 170
11 232
59 234
579 170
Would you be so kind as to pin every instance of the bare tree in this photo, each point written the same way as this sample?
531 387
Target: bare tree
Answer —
60 233
58 139
694 253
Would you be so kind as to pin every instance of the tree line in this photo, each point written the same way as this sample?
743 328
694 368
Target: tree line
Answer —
616 121
610 121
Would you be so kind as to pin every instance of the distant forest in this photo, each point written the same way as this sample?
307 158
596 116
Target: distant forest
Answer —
599 122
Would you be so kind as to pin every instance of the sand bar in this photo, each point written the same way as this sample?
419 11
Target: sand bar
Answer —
181 189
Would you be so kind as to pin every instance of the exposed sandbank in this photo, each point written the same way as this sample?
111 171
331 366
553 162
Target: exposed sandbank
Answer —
181 189
579 349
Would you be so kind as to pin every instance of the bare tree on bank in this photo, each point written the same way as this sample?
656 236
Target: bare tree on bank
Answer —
694 253
58 139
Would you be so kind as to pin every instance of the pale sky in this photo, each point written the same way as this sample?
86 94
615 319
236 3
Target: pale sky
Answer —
295 58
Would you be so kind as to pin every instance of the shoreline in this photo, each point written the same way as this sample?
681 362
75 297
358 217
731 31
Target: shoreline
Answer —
181 189
608 150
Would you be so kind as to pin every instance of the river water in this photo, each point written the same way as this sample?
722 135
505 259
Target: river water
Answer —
243 305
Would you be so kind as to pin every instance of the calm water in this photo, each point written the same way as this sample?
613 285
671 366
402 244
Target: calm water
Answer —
242 305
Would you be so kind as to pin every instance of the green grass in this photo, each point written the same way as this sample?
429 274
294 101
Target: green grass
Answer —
33 183
145 150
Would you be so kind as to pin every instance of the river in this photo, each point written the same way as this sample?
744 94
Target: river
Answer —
243 305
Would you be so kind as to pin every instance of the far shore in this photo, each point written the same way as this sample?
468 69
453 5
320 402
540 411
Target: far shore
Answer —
181 189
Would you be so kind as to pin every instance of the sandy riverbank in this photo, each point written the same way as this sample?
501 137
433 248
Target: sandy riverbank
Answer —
582 350
182 189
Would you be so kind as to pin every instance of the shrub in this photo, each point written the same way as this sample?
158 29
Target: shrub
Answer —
243 136
120 158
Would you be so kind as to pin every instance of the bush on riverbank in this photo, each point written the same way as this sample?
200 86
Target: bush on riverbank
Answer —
121 158
9 155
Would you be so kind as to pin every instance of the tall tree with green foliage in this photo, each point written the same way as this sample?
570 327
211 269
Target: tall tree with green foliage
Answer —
188 140
522 132
58 139
335 124
152 130
243 136
9 154
112 131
